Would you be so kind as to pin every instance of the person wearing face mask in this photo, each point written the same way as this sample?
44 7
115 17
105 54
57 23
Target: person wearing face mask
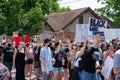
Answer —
29 57
19 62
46 61
72 57
89 69
109 52
8 56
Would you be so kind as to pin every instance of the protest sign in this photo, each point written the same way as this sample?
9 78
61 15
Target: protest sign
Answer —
59 35
46 34
107 68
69 35
82 32
112 34
97 26
17 40
15 34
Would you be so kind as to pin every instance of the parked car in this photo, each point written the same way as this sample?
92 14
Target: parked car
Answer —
4 72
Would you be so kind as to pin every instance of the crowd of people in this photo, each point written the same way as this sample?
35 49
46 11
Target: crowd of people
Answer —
61 60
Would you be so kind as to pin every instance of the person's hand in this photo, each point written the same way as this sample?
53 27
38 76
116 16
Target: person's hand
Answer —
53 60
47 72
97 37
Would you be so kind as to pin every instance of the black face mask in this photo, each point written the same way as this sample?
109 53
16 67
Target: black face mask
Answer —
49 45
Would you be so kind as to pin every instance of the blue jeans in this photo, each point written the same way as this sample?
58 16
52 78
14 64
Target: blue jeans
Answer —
89 76
80 75
117 77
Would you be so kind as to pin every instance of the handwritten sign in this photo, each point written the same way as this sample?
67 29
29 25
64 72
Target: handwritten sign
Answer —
97 26
82 32
59 35
15 34
46 34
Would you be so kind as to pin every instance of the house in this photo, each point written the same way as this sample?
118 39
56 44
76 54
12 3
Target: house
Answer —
67 21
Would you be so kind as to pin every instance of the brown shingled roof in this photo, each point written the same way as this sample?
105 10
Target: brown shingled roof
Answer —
58 21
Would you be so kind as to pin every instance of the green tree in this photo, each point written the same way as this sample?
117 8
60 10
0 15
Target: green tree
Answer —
25 16
111 9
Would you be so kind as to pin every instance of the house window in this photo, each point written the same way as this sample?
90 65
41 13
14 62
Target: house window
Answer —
81 20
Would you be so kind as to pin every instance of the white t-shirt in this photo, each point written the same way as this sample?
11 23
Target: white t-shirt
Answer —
76 64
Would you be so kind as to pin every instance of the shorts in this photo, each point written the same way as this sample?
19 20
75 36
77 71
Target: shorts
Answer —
29 61
56 70
37 64
66 64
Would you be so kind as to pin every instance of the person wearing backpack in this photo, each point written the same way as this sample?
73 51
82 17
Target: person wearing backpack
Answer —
78 65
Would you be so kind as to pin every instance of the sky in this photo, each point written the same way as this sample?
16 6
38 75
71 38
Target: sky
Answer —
76 4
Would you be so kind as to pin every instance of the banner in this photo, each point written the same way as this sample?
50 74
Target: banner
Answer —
97 26
82 32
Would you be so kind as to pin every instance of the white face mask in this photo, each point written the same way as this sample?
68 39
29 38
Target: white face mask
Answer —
74 47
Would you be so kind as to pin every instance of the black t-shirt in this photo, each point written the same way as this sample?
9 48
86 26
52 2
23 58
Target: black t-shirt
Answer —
8 54
58 58
1 50
38 54
89 61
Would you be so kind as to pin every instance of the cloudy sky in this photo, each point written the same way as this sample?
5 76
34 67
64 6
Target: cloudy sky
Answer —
75 4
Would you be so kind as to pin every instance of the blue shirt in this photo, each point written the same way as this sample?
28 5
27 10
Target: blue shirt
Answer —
46 53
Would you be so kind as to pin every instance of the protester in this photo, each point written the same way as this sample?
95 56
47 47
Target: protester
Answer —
8 56
37 62
72 58
57 66
46 64
19 62
64 51
29 57
89 60
78 65
1 52
116 64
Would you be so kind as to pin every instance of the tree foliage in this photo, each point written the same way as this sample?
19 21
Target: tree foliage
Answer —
111 9
25 16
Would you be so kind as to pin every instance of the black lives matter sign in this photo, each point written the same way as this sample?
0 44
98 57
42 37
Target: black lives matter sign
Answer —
97 26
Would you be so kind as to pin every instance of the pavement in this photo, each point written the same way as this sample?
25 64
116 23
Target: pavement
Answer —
13 72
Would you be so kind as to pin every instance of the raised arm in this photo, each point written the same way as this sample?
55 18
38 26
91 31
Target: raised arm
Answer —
95 45
81 52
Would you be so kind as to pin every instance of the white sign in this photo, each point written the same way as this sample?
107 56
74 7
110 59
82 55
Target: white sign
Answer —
97 26
112 34
108 65
82 32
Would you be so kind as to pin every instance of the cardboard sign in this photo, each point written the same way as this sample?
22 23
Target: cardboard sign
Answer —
15 34
69 35
82 32
108 65
59 35
46 34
